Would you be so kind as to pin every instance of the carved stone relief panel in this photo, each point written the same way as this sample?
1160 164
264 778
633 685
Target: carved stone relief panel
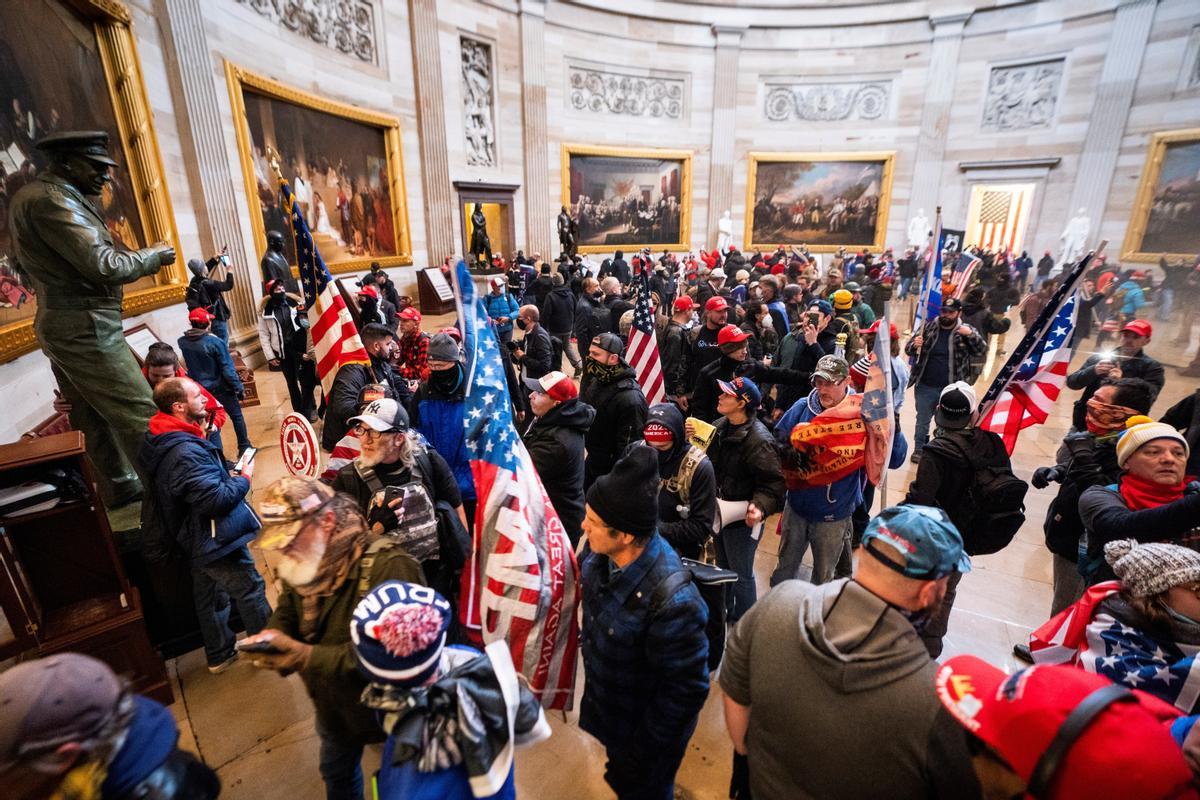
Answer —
479 121
347 26
1023 96
604 91
827 101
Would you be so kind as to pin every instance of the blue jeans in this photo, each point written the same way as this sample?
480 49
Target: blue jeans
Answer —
830 544
905 287
1166 299
233 574
234 409
220 329
927 400
340 765
735 551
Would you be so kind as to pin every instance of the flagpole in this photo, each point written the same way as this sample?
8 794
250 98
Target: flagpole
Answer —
885 366
927 283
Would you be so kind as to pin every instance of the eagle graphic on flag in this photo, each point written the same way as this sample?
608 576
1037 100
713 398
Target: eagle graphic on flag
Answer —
521 583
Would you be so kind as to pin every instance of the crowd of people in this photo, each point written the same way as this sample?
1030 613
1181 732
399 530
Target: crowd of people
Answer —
751 348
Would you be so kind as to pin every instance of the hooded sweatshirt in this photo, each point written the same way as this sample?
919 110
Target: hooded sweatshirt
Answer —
686 526
835 670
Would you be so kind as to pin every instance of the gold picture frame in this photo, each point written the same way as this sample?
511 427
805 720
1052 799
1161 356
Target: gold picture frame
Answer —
680 242
113 26
878 238
241 80
1170 228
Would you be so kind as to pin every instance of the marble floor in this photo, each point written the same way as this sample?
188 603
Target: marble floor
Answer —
256 728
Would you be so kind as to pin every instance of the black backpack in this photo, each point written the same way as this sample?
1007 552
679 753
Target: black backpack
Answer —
713 584
197 296
992 509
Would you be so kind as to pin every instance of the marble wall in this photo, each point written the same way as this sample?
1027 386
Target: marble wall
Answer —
1061 93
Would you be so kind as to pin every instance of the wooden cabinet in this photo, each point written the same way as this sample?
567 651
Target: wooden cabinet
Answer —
62 586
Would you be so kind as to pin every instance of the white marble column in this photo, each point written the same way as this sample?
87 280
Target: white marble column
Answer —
724 123
431 121
935 113
539 210
1106 124
207 161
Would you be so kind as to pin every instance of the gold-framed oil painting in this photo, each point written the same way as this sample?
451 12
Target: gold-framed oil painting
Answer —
344 164
70 66
822 200
1165 222
626 198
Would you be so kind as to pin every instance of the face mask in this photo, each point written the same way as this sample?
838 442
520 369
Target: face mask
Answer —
1182 619
522 324
597 295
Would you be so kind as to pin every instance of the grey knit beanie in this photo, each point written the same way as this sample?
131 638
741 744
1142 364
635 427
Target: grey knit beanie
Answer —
1149 569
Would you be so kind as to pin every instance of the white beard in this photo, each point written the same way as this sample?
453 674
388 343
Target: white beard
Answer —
300 571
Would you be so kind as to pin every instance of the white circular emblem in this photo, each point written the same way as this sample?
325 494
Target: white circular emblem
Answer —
298 443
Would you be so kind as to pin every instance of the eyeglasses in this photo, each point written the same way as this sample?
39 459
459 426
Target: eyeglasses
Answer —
368 434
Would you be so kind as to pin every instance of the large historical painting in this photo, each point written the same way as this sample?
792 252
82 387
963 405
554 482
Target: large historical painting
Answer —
823 200
1166 215
626 198
343 164
55 67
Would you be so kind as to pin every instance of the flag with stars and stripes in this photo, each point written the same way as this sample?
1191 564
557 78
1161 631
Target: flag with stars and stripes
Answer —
1031 380
521 583
642 353
1087 635
334 334
964 271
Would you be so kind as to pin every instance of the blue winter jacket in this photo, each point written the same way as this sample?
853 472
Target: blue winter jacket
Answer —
1135 298
646 677
199 503
820 503
440 419
501 305
208 362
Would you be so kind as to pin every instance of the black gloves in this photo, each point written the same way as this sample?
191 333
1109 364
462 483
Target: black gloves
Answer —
1044 476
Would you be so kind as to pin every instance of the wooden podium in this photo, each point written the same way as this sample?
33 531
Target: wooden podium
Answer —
434 291
62 586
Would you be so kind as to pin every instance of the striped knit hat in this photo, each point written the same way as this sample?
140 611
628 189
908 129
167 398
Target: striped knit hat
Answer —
1149 569
1138 431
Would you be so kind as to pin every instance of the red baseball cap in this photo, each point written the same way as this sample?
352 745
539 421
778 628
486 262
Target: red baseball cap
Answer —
369 291
731 334
716 303
684 303
200 315
411 313
657 432
875 328
1126 750
555 384
1140 327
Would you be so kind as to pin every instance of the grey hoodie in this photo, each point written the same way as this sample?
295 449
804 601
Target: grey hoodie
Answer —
841 700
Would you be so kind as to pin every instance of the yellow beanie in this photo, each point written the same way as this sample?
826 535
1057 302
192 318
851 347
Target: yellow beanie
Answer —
843 299
1139 430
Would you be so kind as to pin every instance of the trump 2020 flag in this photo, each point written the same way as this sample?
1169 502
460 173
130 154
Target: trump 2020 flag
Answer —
521 583
929 304
334 334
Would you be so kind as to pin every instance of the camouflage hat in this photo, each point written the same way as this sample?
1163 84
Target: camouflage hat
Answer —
832 369
285 505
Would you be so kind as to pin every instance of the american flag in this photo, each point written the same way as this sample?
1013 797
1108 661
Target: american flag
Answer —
521 583
1031 364
964 270
642 352
1091 638
999 214
334 334
1037 382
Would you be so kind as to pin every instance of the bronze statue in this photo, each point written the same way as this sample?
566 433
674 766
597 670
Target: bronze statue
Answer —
62 243
568 232
480 243
274 264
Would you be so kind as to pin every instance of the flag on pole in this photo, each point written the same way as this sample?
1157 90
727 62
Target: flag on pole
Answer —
964 271
642 353
521 583
1032 344
1037 382
334 334
877 405
930 303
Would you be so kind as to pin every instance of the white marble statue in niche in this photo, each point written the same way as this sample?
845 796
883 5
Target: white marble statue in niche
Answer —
1074 237
918 229
478 124
724 232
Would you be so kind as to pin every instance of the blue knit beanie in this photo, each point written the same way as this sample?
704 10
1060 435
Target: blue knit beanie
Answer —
399 630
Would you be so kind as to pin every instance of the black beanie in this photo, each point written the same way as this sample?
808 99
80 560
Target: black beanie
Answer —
627 498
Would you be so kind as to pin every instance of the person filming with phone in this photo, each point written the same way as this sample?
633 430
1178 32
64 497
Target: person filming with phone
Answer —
202 505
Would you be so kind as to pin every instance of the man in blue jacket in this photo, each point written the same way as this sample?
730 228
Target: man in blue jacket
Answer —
821 515
209 364
501 309
204 508
645 652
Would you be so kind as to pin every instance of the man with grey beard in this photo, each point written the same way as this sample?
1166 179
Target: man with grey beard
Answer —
329 560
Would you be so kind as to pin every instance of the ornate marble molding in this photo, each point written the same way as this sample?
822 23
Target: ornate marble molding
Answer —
347 26
1021 96
604 91
479 121
827 102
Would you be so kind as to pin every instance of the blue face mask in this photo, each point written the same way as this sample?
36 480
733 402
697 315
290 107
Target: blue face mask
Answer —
1182 619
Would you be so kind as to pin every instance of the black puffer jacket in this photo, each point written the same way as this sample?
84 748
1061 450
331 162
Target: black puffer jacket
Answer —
620 417
558 311
703 404
343 396
746 463
591 319
687 526
555 442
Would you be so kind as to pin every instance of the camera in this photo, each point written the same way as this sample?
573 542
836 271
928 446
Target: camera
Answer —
512 345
